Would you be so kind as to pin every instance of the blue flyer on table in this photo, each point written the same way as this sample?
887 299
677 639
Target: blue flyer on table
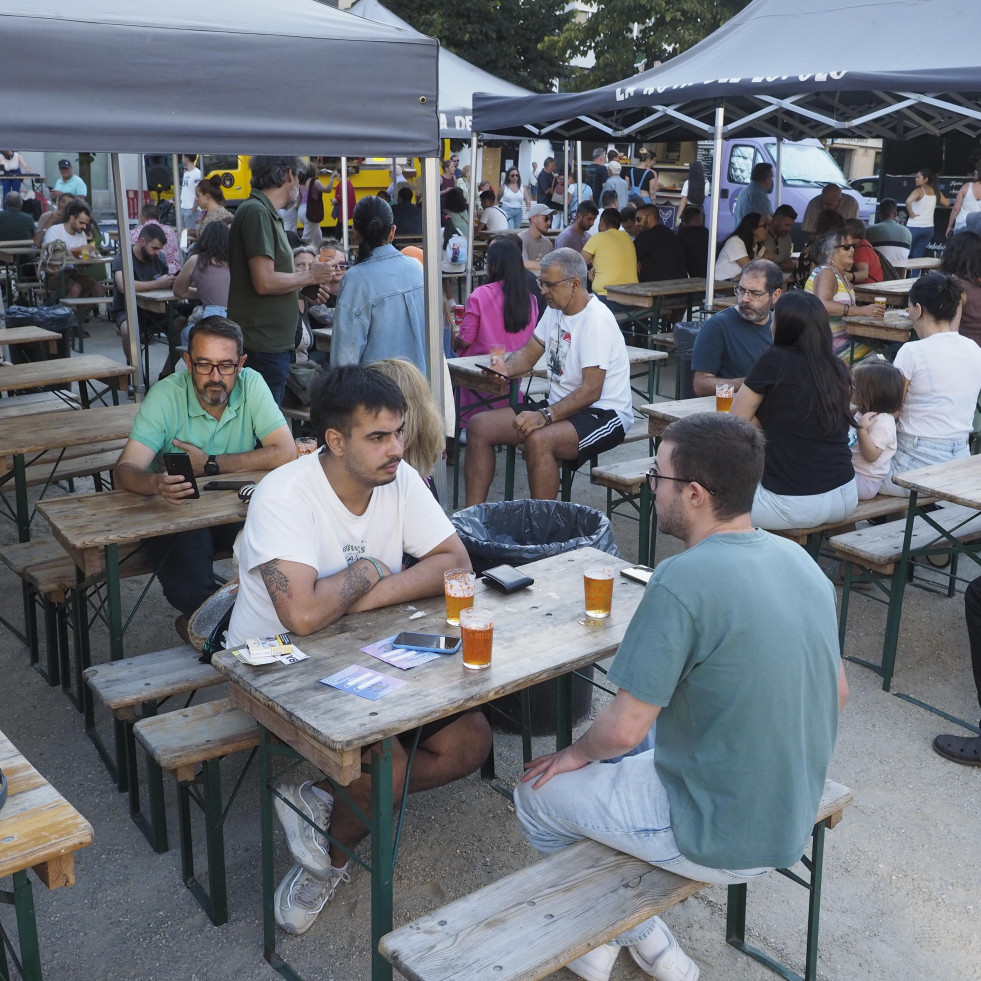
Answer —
363 682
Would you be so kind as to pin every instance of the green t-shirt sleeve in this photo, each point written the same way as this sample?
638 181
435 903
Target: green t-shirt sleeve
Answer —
657 648
258 235
266 415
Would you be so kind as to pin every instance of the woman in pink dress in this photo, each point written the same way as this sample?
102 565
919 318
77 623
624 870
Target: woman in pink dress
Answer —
503 312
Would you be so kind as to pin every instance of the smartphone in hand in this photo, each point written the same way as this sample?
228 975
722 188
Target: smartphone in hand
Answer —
179 465
491 371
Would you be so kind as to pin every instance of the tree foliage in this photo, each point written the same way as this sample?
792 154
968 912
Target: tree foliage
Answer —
622 33
504 37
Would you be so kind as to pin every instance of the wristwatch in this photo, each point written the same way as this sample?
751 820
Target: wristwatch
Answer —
211 467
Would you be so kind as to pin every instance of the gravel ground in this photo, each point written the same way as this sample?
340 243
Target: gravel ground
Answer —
901 871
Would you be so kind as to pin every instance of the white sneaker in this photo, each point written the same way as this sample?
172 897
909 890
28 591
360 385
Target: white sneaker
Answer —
597 965
668 964
301 896
308 845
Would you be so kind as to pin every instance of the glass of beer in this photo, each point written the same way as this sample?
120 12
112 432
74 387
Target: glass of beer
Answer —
723 397
305 444
458 587
598 583
477 631
497 350
880 306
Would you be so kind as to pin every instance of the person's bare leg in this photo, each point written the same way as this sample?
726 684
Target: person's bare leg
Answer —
448 755
485 431
545 449
124 337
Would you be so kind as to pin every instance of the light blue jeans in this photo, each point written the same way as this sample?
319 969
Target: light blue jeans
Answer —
780 512
514 217
623 805
913 452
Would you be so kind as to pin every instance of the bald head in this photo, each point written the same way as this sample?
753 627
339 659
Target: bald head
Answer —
13 201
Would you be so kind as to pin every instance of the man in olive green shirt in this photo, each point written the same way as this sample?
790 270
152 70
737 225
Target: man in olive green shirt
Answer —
262 296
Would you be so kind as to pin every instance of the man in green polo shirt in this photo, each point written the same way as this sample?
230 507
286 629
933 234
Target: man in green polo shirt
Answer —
217 412
262 295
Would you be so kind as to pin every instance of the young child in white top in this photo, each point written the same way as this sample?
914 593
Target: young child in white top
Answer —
878 390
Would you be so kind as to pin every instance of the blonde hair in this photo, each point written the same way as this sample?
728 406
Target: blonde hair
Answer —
425 441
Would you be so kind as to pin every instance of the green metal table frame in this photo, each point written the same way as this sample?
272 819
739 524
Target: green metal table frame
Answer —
28 963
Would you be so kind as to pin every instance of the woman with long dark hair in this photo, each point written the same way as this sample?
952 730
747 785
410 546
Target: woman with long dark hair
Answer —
921 204
745 243
514 197
695 190
380 311
209 198
962 258
799 394
943 378
503 312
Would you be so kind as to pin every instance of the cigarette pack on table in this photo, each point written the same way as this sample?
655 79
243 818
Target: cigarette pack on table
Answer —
275 646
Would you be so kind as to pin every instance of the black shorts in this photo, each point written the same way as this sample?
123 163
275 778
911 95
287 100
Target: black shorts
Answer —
431 728
597 429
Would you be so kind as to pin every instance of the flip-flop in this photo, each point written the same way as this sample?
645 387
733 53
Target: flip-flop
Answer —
965 750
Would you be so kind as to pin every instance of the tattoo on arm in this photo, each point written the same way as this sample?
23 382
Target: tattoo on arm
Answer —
355 584
277 585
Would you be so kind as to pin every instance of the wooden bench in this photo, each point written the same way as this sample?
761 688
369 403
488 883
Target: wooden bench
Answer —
531 923
179 742
39 830
135 688
628 480
637 432
34 402
879 548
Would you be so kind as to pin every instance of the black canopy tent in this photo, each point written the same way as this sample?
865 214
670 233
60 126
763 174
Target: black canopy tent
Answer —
785 68
243 95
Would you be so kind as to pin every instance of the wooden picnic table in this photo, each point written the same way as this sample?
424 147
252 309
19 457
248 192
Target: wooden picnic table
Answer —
322 337
539 634
889 328
41 436
30 335
894 290
156 301
64 371
661 414
39 830
93 528
923 262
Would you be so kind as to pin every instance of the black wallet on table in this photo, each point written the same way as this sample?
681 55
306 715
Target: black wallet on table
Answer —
506 578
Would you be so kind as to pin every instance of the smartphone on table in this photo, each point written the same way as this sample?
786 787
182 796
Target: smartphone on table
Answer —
179 465
440 643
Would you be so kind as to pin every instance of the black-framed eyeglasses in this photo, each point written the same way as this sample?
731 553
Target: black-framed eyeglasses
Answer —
548 287
755 294
207 367
848 247
653 477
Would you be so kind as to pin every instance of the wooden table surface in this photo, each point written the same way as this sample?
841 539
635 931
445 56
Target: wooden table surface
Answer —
155 301
644 294
923 262
958 481
893 287
56 430
537 636
662 414
889 328
29 335
465 373
10 253
61 371
86 523
39 829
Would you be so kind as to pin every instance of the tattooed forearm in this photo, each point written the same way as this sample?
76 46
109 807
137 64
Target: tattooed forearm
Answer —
355 584
277 585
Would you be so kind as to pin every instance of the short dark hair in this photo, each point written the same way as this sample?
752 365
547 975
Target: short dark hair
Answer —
342 389
723 453
887 208
855 227
691 212
587 208
269 172
610 217
150 212
220 327
405 194
455 200
77 208
628 213
878 386
13 201
962 257
764 267
152 232
608 198
938 294
785 211
760 172
487 197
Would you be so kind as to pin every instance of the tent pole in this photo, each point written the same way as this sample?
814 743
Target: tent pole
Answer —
344 215
716 190
565 174
129 289
779 171
472 209
579 196
432 267
177 198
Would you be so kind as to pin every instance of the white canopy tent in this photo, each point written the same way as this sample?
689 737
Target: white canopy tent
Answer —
242 97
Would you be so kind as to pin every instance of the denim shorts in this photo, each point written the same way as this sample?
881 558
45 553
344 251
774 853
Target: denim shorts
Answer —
913 452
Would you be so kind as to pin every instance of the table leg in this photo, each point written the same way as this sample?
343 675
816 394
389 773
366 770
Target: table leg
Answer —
20 496
266 841
30 953
891 638
382 856
457 448
511 451
563 711
114 602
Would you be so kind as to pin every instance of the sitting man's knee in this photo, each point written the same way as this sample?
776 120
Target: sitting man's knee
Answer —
467 743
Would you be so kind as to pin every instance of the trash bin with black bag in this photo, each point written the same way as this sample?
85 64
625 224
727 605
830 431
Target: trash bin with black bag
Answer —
58 318
684 333
518 532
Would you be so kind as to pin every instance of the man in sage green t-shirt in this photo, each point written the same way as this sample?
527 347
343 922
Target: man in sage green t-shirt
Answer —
262 294
734 652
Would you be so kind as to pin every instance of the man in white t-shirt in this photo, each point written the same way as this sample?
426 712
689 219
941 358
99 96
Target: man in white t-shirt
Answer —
73 231
189 183
493 217
589 406
324 537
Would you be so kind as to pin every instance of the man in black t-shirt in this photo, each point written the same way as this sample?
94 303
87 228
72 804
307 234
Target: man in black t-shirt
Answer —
149 273
659 253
